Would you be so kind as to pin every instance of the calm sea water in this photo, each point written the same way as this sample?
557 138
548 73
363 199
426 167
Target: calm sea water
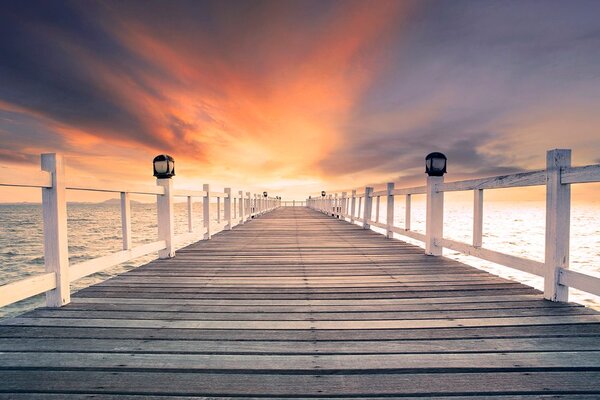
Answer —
95 230
515 228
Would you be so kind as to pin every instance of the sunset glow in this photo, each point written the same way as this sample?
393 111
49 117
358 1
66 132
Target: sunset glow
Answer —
293 96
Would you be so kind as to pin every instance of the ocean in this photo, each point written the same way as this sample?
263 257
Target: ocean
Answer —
94 230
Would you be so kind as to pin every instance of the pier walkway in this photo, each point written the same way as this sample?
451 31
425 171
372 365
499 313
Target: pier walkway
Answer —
299 304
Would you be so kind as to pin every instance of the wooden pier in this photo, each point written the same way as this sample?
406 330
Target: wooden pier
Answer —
298 304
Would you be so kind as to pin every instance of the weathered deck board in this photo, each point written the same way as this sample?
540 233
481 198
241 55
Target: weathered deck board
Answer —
296 304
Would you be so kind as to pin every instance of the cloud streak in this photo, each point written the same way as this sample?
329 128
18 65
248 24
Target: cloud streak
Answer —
299 92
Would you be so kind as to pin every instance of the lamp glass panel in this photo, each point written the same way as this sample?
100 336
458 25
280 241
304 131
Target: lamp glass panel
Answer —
161 166
171 166
439 164
428 163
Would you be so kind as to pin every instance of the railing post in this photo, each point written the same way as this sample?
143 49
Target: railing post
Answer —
367 207
558 216
166 221
56 249
344 201
227 206
434 216
219 209
248 206
190 210
126 220
478 218
407 206
353 206
336 211
390 210
206 211
241 216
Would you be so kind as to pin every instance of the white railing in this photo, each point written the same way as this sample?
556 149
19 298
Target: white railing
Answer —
557 177
293 203
238 208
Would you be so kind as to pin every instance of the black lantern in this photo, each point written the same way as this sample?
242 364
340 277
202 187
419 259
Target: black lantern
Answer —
164 166
322 193
435 164
265 194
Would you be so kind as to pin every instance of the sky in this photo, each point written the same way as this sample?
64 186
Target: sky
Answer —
296 96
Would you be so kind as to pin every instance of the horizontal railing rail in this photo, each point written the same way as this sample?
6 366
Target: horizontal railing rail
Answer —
557 177
236 208
293 203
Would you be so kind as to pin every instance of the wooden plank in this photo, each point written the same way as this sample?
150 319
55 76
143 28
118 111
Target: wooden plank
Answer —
522 264
533 178
586 174
349 363
39 179
117 188
89 267
27 287
293 325
357 385
298 304
282 347
578 280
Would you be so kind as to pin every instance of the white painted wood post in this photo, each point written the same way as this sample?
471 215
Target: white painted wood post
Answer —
206 211
434 222
219 209
360 201
56 249
377 204
353 206
248 205
336 210
190 212
368 207
407 206
241 207
558 217
478 218
344 204
126 220
390 210
227 206
166 218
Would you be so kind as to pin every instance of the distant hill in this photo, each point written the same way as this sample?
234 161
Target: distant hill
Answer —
118 202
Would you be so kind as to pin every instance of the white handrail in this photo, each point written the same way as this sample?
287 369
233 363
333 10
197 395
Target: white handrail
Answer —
558 176
59 274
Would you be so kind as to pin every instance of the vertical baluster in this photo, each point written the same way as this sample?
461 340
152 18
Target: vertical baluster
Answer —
166 218
390 210
407 203
477 217
56 249
368 207
218 209
227 205
434 216
558 217
126 220
206 211
190 213
241 206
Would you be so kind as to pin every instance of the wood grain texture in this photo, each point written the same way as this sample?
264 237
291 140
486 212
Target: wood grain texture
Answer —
297 304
